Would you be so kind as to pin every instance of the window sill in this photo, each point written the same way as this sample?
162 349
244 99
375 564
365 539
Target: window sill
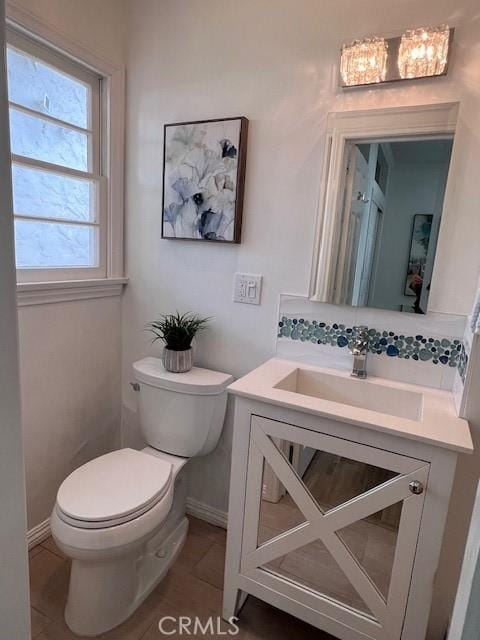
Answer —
31 293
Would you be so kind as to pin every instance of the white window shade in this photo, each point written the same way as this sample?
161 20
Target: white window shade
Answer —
59 192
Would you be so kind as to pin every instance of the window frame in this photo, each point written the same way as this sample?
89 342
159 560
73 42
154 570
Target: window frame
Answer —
63 284
55 60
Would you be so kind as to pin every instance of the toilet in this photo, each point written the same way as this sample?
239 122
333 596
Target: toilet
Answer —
121 517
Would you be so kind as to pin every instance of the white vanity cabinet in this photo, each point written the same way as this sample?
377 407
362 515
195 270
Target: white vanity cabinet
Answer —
337 523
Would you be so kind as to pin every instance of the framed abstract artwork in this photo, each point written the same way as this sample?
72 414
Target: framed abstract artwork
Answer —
203 179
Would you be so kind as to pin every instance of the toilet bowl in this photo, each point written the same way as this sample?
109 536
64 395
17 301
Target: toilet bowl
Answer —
121 517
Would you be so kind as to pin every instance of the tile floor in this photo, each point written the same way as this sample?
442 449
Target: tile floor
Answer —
192 587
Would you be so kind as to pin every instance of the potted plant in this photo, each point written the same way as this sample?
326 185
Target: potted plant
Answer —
177 332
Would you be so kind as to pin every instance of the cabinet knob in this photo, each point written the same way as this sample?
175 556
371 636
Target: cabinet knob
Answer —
416 487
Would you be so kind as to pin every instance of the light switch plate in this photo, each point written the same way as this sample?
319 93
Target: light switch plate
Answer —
247 288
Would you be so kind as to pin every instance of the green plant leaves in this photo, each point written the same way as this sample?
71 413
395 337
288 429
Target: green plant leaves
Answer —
177 330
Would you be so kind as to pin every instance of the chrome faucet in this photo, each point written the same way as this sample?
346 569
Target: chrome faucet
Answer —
359 350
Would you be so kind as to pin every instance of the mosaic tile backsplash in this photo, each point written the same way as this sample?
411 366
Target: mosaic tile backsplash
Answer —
437 350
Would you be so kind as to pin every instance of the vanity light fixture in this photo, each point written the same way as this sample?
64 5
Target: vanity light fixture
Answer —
423 52
418 53
364 61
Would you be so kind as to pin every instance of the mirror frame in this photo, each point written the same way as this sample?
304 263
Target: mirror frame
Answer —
343 128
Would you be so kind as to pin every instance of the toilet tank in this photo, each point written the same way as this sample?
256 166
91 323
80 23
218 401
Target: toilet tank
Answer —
181 413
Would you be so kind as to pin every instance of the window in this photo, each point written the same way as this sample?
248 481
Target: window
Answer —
59 192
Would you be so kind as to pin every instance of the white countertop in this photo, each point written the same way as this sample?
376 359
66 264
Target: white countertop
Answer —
438 424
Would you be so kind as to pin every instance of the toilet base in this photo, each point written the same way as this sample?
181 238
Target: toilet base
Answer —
102 595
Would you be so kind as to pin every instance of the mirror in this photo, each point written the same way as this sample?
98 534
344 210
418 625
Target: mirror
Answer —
393 202
384 194
331 481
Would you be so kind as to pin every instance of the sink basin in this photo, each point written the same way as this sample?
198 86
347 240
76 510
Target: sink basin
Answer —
404 410
355 393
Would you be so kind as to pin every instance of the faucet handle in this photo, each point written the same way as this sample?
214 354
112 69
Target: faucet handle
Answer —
360 339
360 330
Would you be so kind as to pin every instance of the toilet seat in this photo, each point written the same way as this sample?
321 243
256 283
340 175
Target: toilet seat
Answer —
113 489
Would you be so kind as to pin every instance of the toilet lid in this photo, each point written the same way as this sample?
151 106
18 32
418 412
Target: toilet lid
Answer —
113 488
197 381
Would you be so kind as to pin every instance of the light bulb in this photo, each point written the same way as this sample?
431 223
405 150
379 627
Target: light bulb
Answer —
423 52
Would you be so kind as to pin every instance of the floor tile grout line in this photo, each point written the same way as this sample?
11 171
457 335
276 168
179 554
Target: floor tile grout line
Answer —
41 612
52 551
190 570
197 577
45 628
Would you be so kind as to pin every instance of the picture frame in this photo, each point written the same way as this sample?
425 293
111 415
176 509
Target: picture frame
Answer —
420 240
204 165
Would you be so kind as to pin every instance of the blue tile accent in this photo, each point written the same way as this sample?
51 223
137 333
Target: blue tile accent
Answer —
392 350
437 350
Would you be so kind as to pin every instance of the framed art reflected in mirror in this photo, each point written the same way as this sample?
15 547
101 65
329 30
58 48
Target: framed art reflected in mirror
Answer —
417 260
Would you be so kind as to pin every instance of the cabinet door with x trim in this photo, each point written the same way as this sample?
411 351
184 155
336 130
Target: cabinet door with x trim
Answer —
339 532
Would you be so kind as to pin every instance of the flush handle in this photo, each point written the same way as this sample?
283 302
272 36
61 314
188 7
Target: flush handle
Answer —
135 386
416 487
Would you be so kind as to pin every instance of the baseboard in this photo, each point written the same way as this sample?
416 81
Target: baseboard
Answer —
39 533
205 512
199 510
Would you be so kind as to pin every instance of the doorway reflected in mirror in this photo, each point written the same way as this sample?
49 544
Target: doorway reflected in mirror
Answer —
392 208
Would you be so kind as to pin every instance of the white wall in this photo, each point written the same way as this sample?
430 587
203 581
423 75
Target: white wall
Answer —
70 352
191 60
14 604
275 63
97 24
70 375
466 614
